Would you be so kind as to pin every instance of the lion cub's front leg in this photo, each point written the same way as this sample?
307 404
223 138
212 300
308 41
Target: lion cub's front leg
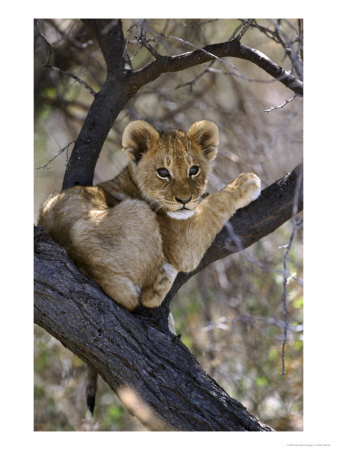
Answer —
220 206
209 218
241 191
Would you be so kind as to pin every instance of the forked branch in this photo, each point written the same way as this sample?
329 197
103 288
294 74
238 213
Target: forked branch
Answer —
122 83
232 48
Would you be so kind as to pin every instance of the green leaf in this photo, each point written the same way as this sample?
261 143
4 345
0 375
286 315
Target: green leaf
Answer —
261 381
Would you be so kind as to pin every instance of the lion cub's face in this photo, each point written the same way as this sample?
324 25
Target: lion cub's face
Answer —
172 167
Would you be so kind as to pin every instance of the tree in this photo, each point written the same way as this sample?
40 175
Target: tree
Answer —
136 354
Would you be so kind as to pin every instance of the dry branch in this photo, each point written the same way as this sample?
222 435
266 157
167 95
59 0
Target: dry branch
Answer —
122 83
215 51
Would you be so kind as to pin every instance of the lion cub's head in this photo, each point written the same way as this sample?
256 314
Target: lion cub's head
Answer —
171 167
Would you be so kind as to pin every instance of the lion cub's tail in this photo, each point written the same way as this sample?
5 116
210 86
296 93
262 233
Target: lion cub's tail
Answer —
91 388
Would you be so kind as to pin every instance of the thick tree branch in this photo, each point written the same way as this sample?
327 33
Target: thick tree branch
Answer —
232 48
109 33
140 362
122 83
250 224
106 106
135 353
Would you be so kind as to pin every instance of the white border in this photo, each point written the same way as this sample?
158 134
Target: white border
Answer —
17 218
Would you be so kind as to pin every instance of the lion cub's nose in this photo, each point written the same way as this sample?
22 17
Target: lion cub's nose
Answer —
183 201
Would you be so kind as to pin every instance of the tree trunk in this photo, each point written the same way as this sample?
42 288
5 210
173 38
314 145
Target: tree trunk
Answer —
141 363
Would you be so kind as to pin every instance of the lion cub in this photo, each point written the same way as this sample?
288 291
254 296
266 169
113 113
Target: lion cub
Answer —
133 234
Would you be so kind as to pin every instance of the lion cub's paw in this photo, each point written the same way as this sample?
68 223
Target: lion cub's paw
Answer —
248 188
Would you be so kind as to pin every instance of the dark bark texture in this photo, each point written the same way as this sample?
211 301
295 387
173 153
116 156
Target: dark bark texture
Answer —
136 353
107 104
129 352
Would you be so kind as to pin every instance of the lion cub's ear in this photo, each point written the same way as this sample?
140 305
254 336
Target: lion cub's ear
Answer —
137 139
205 134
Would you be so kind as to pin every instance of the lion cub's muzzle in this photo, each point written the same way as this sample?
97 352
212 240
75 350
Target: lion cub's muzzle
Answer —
185 210
184 201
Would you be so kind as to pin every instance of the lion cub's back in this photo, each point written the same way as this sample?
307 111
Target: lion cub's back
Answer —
124 240
61 210
105 242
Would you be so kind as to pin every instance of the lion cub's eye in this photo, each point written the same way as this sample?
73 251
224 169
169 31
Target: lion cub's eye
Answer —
194 170
163 173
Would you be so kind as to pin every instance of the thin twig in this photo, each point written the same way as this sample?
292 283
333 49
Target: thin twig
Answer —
127 40
285 272
251 258
69 37
289 49
141 38
244 25
234 73
285 297
287 45
197 24
49 45
272 108
297 223
58 154
75 77
269 33
192 45
222 322
285 125
193 82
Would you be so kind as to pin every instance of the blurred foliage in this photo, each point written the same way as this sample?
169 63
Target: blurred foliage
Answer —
230 315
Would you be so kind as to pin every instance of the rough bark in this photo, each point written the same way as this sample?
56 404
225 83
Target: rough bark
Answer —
136 353
106 106
232 48
129 353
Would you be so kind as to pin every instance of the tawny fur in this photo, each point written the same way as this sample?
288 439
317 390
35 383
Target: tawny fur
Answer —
133 234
